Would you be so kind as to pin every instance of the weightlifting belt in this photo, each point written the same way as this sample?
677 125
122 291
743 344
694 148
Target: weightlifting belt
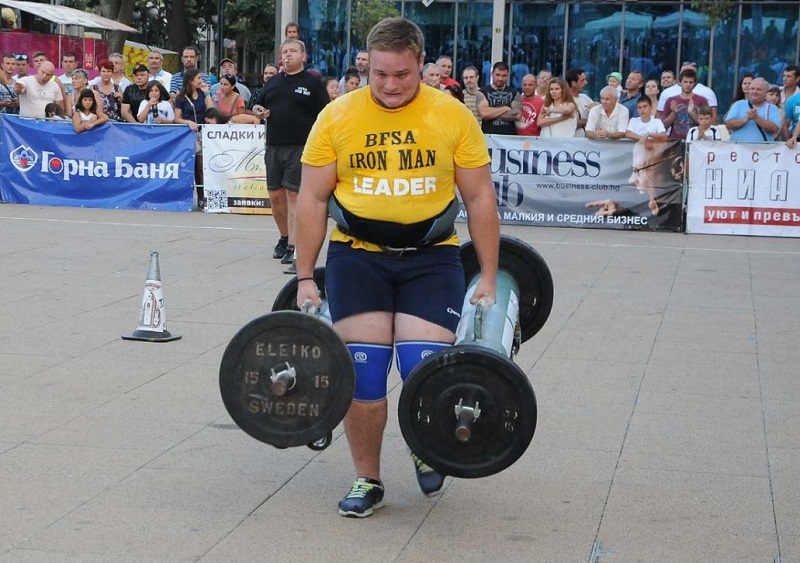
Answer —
395 238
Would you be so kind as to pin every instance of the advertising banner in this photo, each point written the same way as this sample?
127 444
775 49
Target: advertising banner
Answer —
577 182
116 166
234 173
743 189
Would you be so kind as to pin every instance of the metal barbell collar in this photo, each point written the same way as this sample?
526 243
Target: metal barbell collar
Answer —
283 380
466 416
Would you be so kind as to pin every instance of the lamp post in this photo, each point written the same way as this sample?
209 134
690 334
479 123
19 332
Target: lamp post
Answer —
151 14
220 30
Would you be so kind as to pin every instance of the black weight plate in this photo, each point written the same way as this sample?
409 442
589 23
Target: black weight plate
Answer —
499 436
286 299
531 273
324 382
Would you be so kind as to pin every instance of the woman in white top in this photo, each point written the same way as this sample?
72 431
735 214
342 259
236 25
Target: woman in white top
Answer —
558 116
156 108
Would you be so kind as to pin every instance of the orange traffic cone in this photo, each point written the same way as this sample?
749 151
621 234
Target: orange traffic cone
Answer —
153 317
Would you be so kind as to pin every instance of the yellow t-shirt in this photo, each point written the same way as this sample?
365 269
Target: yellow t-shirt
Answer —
395 165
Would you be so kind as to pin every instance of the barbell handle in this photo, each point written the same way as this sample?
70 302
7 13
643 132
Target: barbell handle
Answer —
308 307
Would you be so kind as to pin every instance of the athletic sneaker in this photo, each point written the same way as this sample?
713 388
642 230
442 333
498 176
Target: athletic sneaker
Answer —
280 248
429 481
289 256
364 496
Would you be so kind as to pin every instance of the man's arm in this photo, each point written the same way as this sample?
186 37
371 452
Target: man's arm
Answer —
480 201
734 121
316 186
622 124
591 124
127 115
486 111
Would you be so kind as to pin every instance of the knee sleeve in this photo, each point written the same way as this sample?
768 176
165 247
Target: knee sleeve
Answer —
372 363
412 352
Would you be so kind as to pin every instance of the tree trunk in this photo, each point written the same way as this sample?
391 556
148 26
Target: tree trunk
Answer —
178 35
121 11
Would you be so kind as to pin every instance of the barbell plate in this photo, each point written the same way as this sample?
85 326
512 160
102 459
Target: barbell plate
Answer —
323 387
531 273
286 300
472 374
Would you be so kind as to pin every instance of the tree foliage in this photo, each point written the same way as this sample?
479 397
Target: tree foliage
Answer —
366 13
716 11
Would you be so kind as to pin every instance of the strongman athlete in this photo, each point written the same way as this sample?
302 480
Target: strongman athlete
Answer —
385 160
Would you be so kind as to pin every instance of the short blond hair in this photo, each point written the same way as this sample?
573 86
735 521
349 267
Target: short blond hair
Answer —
396 35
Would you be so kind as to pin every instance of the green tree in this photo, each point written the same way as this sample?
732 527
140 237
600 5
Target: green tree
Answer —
716 12
366 13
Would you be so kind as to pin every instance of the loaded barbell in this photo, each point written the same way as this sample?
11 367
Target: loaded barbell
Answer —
468 411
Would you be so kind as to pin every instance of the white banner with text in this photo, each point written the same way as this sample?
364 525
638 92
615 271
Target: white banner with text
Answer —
743 189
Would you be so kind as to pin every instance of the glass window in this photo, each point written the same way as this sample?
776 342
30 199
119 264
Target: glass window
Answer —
437 23
474 38
323 27
537 41
594 42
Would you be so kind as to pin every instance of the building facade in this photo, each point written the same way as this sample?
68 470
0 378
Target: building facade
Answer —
598 36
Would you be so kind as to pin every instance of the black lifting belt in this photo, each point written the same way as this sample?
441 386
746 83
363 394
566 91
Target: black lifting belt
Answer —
396 235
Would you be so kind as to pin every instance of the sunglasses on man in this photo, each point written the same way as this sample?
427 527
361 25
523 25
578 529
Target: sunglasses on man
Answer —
21 57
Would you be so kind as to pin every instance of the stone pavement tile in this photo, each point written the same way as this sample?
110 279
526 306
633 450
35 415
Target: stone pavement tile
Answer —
14 367
27 507
631 322
785 465
40 484
728 441
590 428
600 346
782 419
53 397
777 314
23 555
701 340
778 378
187 394
61 338
144 534
687 516
197 338
790 548
118 433
73 468
171 490
779 347
546 508
693 294
676 368
301 523
714 281
224 451
708 319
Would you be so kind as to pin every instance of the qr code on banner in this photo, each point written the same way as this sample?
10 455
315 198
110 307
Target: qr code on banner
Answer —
216 200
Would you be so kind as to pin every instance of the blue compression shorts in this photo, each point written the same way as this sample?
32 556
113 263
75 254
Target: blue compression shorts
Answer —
427 283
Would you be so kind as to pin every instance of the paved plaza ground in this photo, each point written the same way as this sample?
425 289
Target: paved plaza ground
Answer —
666 378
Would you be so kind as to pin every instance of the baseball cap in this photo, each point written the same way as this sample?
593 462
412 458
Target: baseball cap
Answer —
140 68
227 60
616 75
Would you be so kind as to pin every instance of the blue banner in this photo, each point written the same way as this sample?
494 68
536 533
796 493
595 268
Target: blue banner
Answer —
116 166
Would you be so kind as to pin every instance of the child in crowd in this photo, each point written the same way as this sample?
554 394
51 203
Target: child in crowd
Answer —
156 108
215 117
332 86
614 80
54 111
88 113
704 130
646 127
